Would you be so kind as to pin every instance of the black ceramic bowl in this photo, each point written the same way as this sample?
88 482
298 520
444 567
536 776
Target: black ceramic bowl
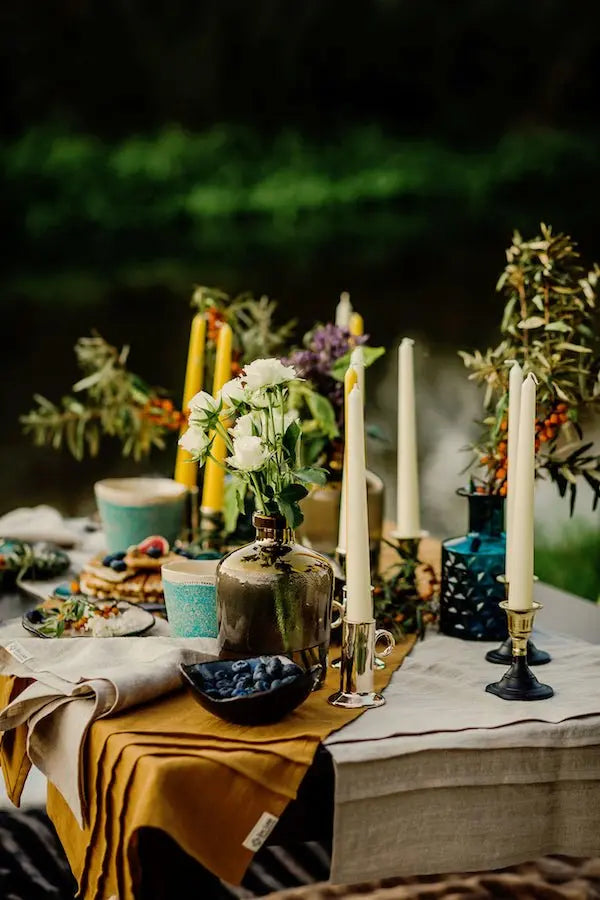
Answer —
260 708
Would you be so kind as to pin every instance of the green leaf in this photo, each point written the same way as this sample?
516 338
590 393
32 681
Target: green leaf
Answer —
575 348
292 513
322 412
531 322
558 326
312 475
292 493
290 441
340 366
235 493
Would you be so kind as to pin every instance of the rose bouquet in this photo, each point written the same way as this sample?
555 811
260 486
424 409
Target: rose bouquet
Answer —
263 436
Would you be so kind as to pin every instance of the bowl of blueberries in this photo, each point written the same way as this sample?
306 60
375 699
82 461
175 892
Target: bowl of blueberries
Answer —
254 691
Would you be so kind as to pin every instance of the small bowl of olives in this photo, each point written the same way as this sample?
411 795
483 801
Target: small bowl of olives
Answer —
254 691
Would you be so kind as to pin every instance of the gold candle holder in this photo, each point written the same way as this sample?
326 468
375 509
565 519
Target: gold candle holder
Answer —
502 655
357 665
519 682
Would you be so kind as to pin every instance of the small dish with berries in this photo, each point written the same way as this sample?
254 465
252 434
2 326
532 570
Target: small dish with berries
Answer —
255 691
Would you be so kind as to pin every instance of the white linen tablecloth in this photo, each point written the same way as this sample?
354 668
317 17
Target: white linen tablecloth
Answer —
422 788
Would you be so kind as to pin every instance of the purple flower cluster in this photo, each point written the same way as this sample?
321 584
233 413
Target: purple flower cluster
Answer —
325 344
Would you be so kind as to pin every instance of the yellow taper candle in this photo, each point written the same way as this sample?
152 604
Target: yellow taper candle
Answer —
214 475
350 379
356 326
186 472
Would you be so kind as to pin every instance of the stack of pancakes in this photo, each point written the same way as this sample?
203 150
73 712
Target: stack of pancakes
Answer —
139 582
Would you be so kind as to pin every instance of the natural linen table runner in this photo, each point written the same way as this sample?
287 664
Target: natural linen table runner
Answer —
214 787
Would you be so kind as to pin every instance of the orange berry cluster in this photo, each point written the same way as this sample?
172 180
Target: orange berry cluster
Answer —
497 461
547 429
161 412
215 318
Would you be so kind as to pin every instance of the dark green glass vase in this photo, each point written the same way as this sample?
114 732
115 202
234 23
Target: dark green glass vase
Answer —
274 596
471 565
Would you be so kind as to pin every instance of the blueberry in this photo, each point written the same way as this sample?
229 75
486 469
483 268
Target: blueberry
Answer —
118 565
108 559
240 692
211 692
154 553
245 680
208 675
275 683
221 673
223 683
240 665
289 670
120 555
289 679
261 685
259 674
263 660
225 692
274 668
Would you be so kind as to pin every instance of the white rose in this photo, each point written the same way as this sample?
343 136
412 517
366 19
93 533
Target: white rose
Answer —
195 441
249 454
263 373
233 392
247 425
203 407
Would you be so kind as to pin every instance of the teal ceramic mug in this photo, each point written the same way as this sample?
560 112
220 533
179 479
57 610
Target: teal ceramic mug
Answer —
132 509
189 586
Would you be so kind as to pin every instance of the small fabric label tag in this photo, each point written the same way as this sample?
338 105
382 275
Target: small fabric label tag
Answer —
18 651
260 832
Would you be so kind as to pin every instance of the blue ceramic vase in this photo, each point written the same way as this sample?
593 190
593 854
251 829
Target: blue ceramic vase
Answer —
471 565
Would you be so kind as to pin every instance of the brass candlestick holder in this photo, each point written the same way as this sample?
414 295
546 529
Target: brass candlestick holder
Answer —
357 665
519 682
502 655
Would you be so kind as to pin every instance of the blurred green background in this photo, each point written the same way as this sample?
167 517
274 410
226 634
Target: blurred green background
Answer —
385 148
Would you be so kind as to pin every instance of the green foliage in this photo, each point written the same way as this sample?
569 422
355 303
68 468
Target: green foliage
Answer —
255 333
109 400
570 561
405 595
550 327
175 181
370 355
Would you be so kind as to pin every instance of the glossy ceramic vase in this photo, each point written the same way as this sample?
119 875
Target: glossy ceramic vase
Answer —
322 516
471 592
274 596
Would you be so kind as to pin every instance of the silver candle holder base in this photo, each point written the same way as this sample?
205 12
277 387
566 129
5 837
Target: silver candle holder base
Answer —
357 665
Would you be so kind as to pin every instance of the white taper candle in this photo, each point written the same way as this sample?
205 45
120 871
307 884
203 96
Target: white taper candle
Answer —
407 503
359 604
520 587
515 382
343 311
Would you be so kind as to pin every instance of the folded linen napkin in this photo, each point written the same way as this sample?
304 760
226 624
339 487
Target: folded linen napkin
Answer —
38 523
79 680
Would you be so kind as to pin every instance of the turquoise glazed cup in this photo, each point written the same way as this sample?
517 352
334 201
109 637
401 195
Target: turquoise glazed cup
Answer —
132 509
189 586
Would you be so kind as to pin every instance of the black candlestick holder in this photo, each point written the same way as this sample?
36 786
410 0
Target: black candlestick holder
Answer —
502 655
519 682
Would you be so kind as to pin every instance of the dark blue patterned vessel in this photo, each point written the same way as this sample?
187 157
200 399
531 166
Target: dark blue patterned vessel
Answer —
470 568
